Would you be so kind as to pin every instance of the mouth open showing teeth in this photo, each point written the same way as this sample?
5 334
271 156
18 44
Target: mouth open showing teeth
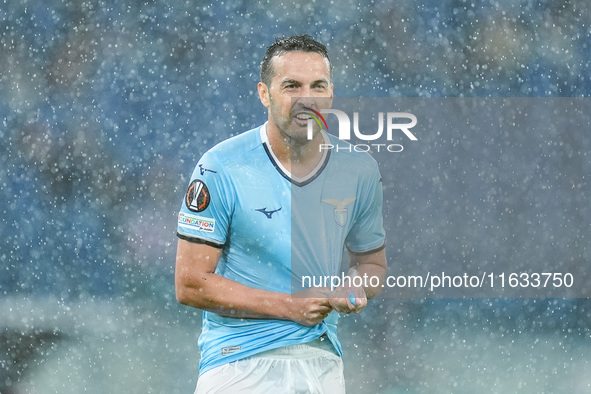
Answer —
303 116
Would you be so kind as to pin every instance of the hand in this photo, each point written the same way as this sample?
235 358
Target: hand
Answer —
348 299
310 307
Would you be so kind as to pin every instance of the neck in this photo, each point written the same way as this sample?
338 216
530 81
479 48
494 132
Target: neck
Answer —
299 157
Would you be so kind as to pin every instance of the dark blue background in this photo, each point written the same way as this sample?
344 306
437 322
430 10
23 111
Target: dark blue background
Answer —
105 107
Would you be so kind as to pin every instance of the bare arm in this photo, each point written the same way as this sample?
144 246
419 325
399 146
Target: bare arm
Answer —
197 285
371 268
371 265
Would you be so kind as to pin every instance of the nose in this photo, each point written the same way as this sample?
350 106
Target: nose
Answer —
310 101
307 100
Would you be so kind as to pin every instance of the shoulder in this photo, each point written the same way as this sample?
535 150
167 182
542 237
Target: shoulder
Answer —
237 148
221 163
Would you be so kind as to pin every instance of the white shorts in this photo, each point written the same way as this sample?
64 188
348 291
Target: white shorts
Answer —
311 368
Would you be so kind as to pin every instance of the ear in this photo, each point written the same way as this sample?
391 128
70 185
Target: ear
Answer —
264 94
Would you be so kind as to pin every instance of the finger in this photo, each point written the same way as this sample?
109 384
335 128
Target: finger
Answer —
342 305
361 303
352 298
360 297
325 310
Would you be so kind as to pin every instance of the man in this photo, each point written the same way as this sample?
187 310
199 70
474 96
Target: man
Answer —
267 207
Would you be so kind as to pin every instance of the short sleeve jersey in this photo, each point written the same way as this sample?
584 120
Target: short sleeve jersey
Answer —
275 229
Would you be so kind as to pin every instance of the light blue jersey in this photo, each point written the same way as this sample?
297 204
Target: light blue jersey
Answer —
273 229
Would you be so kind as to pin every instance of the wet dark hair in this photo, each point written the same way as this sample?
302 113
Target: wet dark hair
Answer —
300 43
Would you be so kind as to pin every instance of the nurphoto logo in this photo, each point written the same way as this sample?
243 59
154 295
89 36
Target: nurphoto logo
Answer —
398 124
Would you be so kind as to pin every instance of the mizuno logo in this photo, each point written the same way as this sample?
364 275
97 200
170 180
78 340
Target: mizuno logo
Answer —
268 214
203 169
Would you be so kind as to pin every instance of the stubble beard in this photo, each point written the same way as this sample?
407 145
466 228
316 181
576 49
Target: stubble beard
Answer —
294 135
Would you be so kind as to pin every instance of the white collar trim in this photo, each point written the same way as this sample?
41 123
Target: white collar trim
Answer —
281 168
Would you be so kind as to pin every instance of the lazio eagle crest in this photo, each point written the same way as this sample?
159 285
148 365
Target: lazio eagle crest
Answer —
340 209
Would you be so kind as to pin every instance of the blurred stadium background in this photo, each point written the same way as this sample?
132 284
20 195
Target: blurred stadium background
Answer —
105 107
